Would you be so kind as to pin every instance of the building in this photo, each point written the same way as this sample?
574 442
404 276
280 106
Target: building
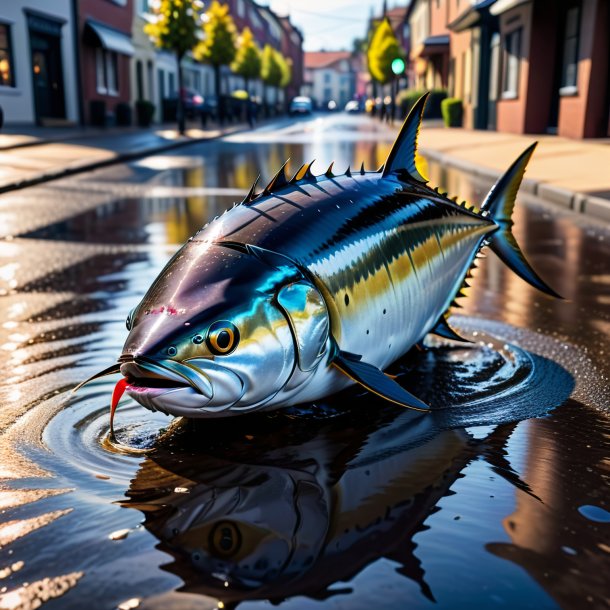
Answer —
38 65
474 61
554 72
429 43
105 30
329 76
292 49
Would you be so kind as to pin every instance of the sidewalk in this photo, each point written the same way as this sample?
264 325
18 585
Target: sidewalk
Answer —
27 159
574 174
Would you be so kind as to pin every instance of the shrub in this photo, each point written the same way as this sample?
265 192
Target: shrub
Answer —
452 110
407 98
122 112
145 111
97 113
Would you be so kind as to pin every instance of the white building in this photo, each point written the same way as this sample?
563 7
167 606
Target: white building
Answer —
329 77
38 68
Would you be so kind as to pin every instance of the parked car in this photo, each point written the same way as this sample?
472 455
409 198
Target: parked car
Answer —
301 105
352 106
196 106
332 105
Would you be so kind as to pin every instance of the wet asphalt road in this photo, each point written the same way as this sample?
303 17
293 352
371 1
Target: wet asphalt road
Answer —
527 503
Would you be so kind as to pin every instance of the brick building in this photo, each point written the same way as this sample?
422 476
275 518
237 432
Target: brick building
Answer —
105 52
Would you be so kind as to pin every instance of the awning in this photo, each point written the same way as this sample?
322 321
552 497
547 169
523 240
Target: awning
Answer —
109 39
471 17
434 45
501 6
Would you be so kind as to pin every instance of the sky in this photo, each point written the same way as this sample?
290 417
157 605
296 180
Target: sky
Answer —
329 24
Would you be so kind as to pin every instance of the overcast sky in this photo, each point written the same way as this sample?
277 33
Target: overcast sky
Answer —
329 24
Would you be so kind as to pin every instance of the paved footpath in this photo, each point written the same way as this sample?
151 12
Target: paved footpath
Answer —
571 173
27 159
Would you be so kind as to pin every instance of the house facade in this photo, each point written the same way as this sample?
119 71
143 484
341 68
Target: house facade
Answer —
554 67
106 49
330 77
38 62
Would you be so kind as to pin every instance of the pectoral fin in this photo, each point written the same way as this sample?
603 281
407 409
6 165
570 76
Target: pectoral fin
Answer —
376 381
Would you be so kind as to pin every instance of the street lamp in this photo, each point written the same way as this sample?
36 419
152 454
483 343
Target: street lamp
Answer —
398 68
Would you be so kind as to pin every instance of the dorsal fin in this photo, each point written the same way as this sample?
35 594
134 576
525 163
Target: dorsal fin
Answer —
251 193
329 171
362 170
402 155
348 172
278 181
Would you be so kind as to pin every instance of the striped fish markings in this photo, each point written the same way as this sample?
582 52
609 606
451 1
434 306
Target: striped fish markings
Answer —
313 284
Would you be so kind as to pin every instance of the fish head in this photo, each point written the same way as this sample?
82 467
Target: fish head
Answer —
221 331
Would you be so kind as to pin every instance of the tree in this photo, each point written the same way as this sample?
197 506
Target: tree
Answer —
271 68
383 49
218 45
248 58
175 27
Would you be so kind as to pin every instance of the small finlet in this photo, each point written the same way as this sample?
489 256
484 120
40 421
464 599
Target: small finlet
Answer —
251 193
329 171
278 181
362 170
348 172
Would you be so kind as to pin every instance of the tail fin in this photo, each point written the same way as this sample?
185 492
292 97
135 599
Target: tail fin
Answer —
499 204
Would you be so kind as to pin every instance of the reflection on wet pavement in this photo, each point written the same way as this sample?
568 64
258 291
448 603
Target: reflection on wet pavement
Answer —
370 508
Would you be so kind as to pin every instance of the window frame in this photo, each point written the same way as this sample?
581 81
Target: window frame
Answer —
11 56
511 60
565 87
106 72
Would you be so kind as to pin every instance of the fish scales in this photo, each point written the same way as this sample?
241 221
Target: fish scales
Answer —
310 286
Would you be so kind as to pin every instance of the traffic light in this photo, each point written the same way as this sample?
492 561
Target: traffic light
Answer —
398 66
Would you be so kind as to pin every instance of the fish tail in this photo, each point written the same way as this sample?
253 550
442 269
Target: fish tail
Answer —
499 206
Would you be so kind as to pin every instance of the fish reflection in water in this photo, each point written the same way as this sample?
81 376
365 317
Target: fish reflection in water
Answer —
289 510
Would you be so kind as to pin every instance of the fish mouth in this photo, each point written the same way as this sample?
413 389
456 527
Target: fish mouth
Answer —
180 388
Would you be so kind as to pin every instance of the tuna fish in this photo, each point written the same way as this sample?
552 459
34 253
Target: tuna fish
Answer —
311 285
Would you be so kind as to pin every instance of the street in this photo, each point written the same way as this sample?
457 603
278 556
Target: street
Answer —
78 253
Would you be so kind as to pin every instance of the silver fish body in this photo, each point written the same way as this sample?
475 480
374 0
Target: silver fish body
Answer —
315 283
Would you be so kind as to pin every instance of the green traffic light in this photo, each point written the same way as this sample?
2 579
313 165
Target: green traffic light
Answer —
398 66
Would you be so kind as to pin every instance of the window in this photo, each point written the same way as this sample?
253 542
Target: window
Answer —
512 54
172 83
106 63
7 75
241 9
569 68
327 78
327 93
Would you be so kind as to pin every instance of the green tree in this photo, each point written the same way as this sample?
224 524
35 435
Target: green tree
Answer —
271 68
383 49
218 45
248 58
175 27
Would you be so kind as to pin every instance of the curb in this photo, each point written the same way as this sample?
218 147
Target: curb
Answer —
581 203
118 158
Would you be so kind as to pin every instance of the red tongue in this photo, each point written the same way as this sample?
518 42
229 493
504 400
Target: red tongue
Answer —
118 391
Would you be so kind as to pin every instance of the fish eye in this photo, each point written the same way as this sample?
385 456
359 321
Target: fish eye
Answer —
222 338
225 539
171 351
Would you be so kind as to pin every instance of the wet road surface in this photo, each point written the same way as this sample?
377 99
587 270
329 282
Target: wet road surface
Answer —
501 499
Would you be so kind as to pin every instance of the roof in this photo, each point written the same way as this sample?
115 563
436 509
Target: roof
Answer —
322 59
471 16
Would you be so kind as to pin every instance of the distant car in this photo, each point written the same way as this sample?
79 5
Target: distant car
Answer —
301 105
196 106
352 106
332 105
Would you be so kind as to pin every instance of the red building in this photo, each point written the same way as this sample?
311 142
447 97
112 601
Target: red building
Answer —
105 52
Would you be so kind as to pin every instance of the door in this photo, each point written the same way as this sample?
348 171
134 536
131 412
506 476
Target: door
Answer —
47 76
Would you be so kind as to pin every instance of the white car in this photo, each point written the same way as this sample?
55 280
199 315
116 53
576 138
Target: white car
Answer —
352 106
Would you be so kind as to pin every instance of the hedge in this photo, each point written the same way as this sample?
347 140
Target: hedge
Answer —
408 97
452 110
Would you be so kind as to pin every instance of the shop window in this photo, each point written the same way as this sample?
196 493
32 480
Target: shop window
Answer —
106 71
7 74
511 62
569 68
